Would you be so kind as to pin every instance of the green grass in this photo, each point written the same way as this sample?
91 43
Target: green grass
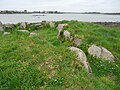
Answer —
45 63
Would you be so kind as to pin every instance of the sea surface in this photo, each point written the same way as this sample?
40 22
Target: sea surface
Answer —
16 18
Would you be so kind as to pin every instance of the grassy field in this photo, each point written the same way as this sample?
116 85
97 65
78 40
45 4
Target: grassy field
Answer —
44 63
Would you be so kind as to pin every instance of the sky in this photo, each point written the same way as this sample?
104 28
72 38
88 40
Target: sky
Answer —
62 5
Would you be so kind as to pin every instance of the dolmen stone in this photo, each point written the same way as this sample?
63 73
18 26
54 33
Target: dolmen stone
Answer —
82 58
101 52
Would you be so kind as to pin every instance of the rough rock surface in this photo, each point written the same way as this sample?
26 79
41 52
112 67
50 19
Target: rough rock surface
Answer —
1 26
76 42
60 30
82 58
23 25
100 52
9 26
66 35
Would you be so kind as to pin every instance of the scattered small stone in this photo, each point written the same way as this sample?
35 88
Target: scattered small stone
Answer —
32 34
76 42
26 31
82 58
101 52
6 33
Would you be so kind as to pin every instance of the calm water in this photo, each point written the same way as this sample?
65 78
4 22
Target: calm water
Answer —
15 18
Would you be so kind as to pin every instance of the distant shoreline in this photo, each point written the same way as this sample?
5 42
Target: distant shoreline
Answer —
65 13
53 12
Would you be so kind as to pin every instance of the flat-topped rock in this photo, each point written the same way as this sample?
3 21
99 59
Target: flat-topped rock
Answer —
82 58
6 33
25 31
9 26
32 34
101 52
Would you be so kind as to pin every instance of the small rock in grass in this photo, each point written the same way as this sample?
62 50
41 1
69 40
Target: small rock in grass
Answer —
32 34
6 33
24 31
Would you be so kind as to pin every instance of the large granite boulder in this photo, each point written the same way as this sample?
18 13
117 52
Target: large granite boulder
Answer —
23 25
82 58
101 52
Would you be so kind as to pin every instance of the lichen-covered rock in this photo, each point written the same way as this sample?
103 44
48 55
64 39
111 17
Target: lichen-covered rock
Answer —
23 25
100 52
95 51
66 35
82 58
107 55
76 42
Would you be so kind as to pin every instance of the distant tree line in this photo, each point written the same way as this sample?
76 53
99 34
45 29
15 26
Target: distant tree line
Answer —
27 12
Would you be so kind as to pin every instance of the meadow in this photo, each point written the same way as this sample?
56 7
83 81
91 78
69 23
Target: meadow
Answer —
45 63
